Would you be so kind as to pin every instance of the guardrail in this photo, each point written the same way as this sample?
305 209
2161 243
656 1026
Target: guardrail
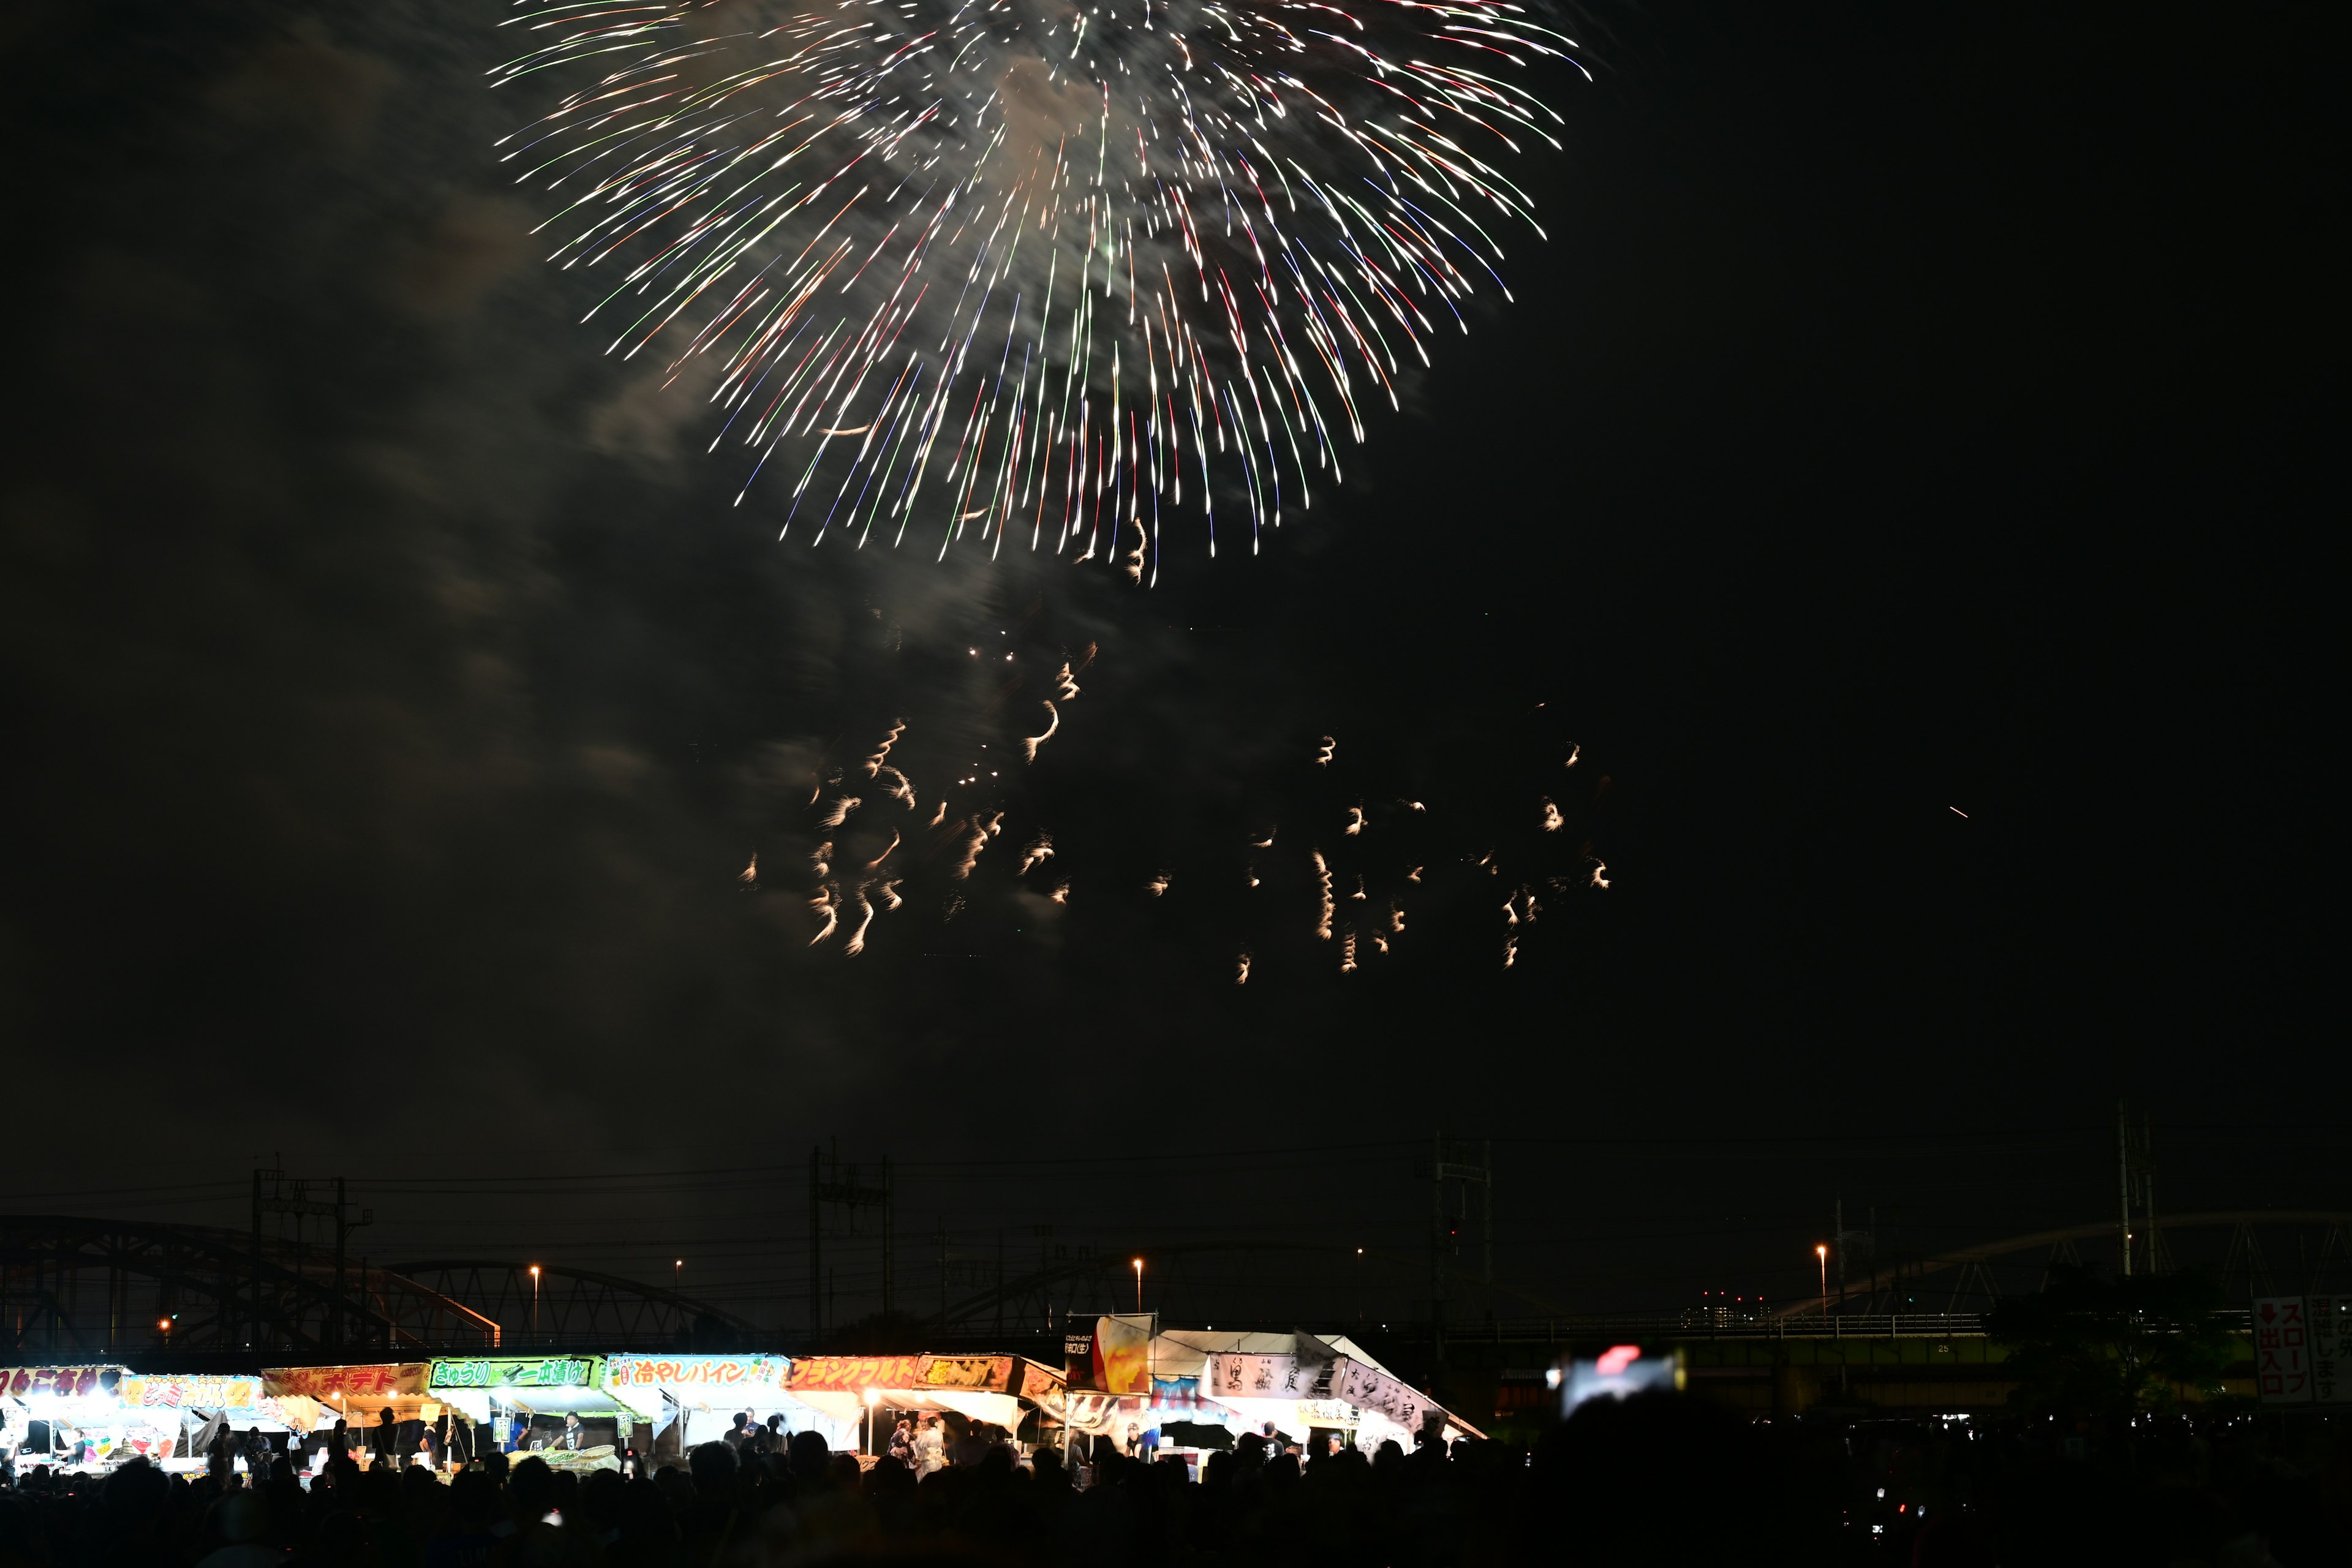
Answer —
1635 1327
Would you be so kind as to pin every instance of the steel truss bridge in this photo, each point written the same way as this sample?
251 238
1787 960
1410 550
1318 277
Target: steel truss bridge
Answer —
74 1288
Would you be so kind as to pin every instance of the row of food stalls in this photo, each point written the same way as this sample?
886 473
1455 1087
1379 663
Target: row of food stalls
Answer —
1120 1383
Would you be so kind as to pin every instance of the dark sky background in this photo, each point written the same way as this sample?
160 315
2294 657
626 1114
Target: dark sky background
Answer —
1911 411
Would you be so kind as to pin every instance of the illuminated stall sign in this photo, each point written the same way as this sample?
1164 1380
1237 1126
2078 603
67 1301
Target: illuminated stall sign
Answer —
710 1372
192 1393
1045 1388
392 1380
1244 1375
991 1373
517 1372
62 1382
856 1374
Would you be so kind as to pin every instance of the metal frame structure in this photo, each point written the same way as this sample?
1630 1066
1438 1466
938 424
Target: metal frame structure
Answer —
74 1286
545 1304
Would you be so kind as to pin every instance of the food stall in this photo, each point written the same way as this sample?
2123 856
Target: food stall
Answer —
998 1389
534 1393
1301 1383
358 1396
89 1418
691 1399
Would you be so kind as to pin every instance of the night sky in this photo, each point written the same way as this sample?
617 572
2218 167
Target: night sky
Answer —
1911 416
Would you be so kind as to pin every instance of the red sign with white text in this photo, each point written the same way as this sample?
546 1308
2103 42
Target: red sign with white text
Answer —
2282 1350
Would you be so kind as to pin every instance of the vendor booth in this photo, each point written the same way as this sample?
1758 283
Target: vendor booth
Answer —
996 1390
90 1418
1202 1382
362 1398
522 1404
691 1399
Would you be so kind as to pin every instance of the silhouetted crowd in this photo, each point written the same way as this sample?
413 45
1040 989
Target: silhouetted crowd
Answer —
1653 1481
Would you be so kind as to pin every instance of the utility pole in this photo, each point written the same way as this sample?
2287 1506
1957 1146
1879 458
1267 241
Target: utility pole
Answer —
943 1275
1444 1234
1487 1221
274 1193
256 1256
335 1330
2122 1172
1837 1235
827 1186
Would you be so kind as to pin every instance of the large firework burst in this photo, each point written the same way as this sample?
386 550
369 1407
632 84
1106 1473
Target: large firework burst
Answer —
1009 267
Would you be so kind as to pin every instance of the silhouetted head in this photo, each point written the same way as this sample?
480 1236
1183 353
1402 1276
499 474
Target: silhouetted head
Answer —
531 1491
474 1497
810 1455
714 1469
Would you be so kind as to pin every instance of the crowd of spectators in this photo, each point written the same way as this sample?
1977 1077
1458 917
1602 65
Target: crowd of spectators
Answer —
1652 1480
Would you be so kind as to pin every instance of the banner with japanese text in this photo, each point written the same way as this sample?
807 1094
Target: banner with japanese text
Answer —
2282 1350
391 1380
856 1374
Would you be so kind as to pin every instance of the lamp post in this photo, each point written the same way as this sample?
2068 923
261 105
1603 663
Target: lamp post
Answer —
534 1301
1138 1286
676 1274
1823 1252
873 1398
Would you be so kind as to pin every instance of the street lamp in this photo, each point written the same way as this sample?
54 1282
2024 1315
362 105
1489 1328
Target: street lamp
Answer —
676 1271
534 1300
1821 1251
1138 1286
873 1398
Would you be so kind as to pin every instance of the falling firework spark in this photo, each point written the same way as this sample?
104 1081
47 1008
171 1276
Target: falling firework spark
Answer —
750 875
882 753
1328 746
1323 873
1552 817
1157 885
1211 237
825 905
1599 876
841 810
1348 953
1039 850
823 858
1355 821
1052 722
856 942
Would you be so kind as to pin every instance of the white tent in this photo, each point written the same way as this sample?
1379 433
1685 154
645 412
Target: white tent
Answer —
1300 1381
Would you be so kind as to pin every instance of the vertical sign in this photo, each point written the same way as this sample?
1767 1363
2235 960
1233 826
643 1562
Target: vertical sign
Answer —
2282 1350
2331 1347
